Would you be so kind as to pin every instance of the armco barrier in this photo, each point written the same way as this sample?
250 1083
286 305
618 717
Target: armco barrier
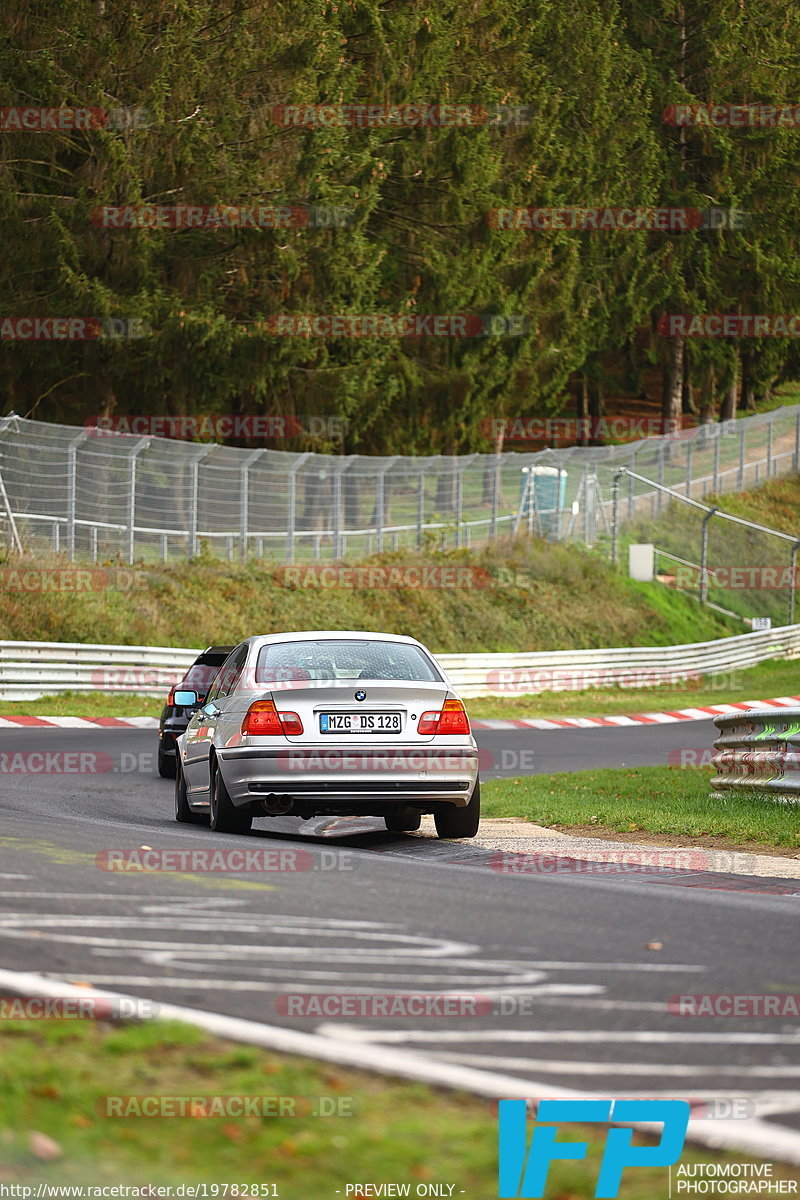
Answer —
758 751
32 669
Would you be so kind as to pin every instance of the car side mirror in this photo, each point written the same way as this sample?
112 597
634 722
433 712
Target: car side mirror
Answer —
185 698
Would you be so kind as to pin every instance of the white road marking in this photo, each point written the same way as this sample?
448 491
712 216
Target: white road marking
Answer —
768 1140
579 1036
567 1066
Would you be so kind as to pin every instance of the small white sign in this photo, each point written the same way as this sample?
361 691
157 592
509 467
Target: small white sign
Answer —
761 623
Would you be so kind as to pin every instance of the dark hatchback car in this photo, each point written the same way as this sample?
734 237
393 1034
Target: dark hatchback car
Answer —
175 718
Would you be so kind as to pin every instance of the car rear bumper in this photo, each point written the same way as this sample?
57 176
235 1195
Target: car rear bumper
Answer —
353 776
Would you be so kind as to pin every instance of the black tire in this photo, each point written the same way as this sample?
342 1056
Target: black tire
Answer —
452 822
167 764
403 822
225 817
183 813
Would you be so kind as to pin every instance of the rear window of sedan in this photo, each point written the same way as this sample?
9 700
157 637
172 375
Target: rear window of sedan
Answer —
342 659
201 675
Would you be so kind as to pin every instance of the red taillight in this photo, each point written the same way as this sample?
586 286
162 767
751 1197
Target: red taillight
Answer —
171 696
452 719
262 718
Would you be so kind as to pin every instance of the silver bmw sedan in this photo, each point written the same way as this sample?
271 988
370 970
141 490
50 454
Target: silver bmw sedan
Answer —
329 722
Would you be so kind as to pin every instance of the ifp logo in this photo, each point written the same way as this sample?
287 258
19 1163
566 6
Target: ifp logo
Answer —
523 1172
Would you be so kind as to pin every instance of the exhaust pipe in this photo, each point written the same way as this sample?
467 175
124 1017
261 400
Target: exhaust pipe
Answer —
277 806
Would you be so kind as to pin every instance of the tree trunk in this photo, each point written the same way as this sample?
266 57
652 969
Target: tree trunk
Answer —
728 410
672 398
747 400
583 411
597 408
708 400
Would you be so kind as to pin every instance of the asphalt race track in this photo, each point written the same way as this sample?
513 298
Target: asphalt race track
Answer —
577 998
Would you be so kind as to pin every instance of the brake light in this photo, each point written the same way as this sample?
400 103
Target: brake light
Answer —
171 696
262 718
452 719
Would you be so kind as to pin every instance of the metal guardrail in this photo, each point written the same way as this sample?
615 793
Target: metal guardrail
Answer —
32 669
758 751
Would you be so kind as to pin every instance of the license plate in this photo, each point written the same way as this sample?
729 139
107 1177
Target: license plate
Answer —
359 722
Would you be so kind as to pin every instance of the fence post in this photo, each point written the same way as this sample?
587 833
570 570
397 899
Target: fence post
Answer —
244 496
495 498
72 467
742 432
615 515
291 516
769 448
704 556
135 452
420 509
689 448
380 500
337 512
797 442
661 455
195 496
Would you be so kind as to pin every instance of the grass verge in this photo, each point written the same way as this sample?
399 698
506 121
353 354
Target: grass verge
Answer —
667 800
55 1078
523 594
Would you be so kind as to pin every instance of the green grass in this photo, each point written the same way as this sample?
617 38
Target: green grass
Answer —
678 531
54 1076
670 800
532 595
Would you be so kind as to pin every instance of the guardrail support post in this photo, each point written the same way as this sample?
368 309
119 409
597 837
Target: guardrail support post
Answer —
704 556
740 476
769 450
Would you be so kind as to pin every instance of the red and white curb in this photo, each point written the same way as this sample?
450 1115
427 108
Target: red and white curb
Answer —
646 718
701 713
7 722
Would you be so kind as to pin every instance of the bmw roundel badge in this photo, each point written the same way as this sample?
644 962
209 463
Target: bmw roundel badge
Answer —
361 695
